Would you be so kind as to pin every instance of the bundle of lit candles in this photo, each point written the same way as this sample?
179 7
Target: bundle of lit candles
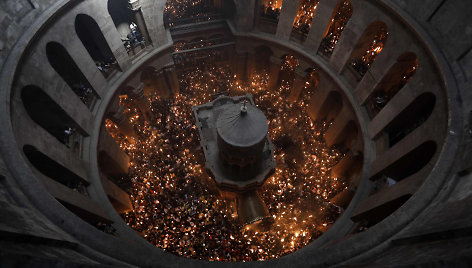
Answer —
177 206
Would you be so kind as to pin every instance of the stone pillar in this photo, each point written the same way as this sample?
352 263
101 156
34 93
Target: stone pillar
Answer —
246 12
274 71
118 117
350 165
250 65
81 205
113 161
316 107
298 85
320 23
172 79
135 7
287 16
119 198
141 101
239 66
387 200
340 132
343 198
161 87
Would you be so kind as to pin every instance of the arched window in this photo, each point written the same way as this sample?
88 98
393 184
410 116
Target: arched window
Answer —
262 58
129 23
346 136
413 116
45 112
179 12
180 46
66 67
303 19
270 10
341 15
148 76
368 47
287 70
331 106
50 168
410 163
121 15
312 80
93 40
395 79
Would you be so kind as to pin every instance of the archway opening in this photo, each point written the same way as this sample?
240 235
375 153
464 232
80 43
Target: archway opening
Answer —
66 67
395 79
413 116
368 47
97 46
129 22
50 168
341 16
303 19
45 112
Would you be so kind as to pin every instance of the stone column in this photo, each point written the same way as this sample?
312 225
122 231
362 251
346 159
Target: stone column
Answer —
298 85
340 131
274 71
119 198
113 161
161 88
350 165
172 79
319 24
118 117
138 95
287 16
250 65
239 66
246 12
135 7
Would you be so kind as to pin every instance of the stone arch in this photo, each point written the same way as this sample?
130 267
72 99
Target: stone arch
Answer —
287 68
50 168
413 116
302 23
393 81
412 162
262 58
270 10
341 15
45 112
311 80
65 66
344 139
121 16
368 47
331 107
129 23
95 43
184 12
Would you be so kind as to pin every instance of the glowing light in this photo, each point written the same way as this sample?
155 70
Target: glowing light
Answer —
176 204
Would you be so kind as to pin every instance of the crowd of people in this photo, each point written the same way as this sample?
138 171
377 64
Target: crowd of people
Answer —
181 11
304 17
200 58
176 204
381 97
361 65
107 66
202 43
85 93
133 39
336 27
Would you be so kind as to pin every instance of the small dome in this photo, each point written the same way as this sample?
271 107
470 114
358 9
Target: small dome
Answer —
241 127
